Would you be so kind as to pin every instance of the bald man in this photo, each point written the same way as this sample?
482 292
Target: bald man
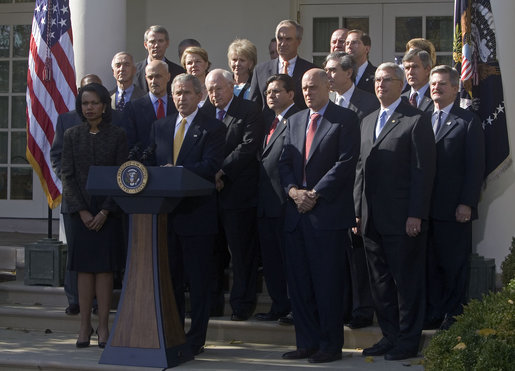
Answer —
337 42
317 169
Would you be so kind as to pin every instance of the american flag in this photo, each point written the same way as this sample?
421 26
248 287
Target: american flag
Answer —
51 87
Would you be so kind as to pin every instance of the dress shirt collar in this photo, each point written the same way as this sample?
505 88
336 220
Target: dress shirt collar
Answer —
421 93
226 108
189 120
154 100
291 65
390 109
361 71
346 96
128 93
445 112
281 115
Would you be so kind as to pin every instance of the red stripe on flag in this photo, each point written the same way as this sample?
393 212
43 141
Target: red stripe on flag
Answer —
38 111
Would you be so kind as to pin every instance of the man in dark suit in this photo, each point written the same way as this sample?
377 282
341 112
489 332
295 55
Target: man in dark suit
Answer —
358 45
123 72
394 180
317 169
64 122
280 90
236 182
460 160
289 36
359 307
194 141
417 65
156 41
142 112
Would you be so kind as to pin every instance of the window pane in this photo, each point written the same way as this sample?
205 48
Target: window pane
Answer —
3 147
4 41
21 40
23 1
18 144
439 30
406 28
322 30
318 60
356 24
19 76
21 183
444 59
4 77
3 183
19 117
4 106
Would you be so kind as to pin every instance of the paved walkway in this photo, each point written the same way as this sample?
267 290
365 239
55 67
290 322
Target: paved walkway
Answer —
25 350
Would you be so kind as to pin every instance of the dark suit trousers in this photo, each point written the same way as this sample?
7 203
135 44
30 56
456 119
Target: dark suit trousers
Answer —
240 231
271 242
314 260
189 258
448 268
397 278
357 297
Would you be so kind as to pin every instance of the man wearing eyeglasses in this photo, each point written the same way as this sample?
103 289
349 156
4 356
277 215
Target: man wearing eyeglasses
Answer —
394 180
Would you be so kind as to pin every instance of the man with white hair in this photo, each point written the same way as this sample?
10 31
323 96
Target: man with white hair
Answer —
236 183
394 179
124 71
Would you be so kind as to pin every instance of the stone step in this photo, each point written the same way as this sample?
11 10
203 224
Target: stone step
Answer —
221 329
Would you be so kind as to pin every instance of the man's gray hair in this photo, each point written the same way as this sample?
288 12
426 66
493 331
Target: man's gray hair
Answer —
183 78
156 29
288 23
397 71
345 61
119 54
454 77
225 74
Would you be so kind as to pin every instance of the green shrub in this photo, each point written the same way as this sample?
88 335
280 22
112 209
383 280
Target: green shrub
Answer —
508 265
483 337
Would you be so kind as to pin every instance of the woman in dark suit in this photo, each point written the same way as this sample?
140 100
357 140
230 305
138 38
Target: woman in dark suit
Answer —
95 220
242 58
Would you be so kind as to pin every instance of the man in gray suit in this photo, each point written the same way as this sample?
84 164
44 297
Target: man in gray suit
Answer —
359 307
417 65
341 72
394 179
124 71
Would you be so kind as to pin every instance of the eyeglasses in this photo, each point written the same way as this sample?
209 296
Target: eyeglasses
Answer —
385 79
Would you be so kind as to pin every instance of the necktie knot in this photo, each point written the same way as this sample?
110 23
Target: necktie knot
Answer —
438 122
121 102
413 99
285 67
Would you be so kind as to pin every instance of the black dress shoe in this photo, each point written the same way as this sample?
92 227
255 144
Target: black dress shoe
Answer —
270 316
84 344
397 354
287 320
72 309
324 357
239 317
378 349
356 323
299 354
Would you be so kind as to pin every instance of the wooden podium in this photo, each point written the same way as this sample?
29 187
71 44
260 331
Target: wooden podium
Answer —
147 330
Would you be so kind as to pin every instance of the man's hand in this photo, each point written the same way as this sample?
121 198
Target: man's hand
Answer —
357 229
413 226
463 213
305 200
219 183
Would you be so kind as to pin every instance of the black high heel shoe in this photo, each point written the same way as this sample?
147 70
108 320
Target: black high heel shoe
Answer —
84 344
101 344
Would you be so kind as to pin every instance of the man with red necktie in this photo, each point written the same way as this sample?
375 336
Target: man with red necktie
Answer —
317 169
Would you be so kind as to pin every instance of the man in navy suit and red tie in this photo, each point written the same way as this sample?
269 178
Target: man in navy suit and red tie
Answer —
460 167
317 170
194 141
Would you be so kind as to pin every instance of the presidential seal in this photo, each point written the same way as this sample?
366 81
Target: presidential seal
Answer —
132 177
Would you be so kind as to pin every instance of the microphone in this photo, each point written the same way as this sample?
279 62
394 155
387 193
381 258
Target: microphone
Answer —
135 153
148 157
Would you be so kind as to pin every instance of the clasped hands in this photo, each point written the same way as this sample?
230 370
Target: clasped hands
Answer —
304 199
93 223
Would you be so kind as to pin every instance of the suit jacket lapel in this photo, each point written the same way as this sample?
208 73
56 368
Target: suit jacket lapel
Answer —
390 124
281 126
446 126
323 127
190 138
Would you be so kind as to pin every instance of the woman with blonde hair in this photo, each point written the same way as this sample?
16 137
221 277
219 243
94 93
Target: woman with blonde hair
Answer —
196 62
242 58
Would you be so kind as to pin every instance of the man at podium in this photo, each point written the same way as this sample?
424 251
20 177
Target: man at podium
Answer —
194 141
